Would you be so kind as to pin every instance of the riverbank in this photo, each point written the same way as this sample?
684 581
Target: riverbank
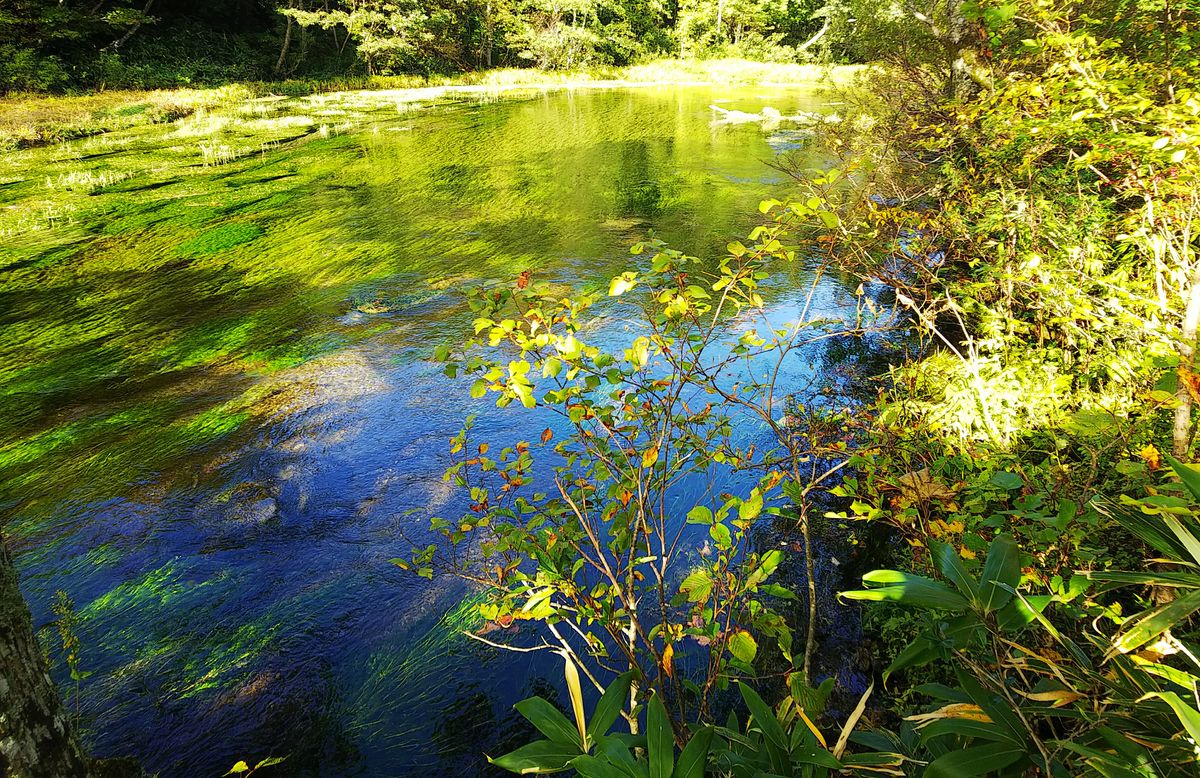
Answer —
28 120
1043 237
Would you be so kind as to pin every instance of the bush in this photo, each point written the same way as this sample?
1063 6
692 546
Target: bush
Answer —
25 70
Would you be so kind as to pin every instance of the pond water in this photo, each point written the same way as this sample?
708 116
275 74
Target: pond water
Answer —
219 408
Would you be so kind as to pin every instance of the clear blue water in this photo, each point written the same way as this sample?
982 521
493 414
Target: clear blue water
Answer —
225 420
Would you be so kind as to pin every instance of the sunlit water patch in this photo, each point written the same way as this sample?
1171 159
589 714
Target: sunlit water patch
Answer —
220 410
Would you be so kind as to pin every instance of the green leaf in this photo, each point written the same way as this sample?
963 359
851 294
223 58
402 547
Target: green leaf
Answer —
441 353
750 508
700 515
720 534
968 728
743 646
812 701
883 758
764 717
1184 536
549 720
695 755
1148 626
622 284
1188 474
610 705
775 590
908 589
998 710
977 760
697 586
950 563
660 739
1152 578
1007 480
1148 529
524 393
1003 566
817 756
918 653
239 768
591 767
540 756
1021 611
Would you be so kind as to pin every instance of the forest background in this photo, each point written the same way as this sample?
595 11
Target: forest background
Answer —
50 45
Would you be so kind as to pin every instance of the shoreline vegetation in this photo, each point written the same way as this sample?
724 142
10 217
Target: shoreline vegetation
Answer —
30 119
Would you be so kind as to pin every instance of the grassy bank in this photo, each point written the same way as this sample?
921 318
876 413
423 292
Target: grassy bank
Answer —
34 120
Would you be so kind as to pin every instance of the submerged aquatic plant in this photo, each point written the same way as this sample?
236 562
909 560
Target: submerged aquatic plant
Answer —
602 558
221 238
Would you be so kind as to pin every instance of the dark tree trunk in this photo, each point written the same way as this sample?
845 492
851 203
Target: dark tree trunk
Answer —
119 42
36 736
283 49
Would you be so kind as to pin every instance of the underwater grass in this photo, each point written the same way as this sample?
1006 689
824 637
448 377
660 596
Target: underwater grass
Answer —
396 679
220 238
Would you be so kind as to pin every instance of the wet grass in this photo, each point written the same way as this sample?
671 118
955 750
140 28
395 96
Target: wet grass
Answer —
28 120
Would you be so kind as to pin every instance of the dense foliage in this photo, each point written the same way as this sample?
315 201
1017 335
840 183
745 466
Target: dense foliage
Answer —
47 44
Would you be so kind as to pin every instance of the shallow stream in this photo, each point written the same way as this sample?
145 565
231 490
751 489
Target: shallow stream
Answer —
219 407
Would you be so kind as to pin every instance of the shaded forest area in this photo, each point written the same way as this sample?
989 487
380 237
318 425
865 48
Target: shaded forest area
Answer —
52 45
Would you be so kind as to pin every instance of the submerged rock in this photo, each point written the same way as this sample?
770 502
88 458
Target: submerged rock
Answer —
259 512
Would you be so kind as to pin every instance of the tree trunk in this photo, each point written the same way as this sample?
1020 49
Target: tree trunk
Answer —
119 42
820 33
36 736
810 574
287 43
962 82
1182 432
488 27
